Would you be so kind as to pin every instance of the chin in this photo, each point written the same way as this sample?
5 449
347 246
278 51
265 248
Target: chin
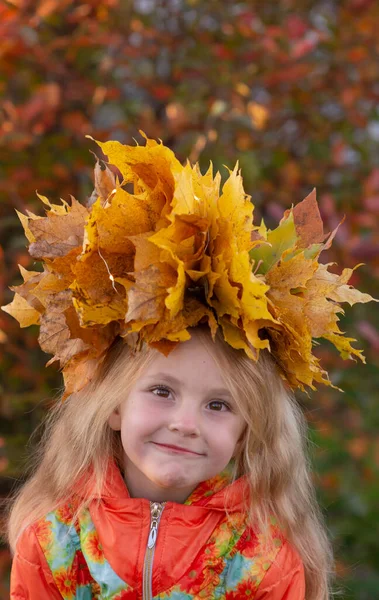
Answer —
172 480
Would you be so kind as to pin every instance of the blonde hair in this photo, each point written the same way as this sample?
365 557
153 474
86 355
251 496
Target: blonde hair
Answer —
78 443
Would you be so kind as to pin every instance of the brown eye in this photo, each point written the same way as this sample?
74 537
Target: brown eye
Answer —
218 405
161 391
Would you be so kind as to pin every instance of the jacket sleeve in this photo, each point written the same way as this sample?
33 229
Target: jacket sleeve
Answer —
285 578
31 578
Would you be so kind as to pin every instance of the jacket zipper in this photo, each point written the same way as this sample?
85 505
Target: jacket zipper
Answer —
156 509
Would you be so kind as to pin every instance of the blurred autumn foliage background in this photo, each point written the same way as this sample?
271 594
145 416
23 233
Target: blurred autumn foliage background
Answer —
289 88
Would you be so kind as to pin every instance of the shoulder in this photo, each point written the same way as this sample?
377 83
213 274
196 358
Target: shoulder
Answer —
30 570
273 570
43 538
285 576
47 557
28 549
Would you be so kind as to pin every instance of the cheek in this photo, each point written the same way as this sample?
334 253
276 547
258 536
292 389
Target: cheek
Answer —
223 440
230 437
138 419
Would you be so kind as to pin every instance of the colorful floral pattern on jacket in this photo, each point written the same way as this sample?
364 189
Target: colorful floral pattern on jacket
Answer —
230 566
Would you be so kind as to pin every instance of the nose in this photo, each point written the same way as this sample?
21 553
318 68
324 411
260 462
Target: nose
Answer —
185 422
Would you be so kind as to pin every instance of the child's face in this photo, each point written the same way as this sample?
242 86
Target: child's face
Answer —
179 401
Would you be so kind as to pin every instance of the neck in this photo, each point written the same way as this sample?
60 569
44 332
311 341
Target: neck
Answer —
140 486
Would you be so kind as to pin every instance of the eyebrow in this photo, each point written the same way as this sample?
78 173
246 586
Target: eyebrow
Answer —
174 381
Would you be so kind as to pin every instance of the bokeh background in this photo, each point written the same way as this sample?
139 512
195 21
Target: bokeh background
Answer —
290 89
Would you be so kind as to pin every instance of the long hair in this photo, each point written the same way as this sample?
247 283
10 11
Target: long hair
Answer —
78 443
274 458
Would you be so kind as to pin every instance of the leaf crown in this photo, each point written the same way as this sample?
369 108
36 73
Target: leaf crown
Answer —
158 249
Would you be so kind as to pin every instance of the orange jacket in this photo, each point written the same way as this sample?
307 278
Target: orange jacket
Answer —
199 552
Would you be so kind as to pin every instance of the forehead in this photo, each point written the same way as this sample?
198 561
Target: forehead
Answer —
190 362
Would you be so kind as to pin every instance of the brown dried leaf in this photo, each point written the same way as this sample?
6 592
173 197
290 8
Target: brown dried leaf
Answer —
97 297
308 222
81 369
56 235
105 182
55 337
147 296
176 330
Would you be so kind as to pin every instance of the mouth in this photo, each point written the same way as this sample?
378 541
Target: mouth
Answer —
177 449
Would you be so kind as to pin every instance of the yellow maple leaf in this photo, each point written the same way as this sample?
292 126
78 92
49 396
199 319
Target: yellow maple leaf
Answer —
21 310
25 219
149 168
237 292
305 297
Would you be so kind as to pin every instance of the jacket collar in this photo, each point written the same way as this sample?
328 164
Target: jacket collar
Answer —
218 493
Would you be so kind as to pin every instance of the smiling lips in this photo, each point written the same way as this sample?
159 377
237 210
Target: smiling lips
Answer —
178 449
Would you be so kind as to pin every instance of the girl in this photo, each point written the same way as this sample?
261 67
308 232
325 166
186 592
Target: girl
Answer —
175 468
153 436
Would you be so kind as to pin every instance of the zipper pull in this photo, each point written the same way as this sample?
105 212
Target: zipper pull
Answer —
156 510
